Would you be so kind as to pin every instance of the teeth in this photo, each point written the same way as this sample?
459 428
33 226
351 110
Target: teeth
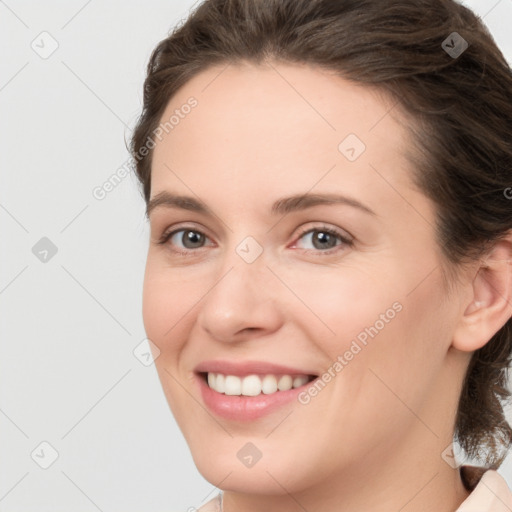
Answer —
285 383
253 385
269 384
220 383
232 385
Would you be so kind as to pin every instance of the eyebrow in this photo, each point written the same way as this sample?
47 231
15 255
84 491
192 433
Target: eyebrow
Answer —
280 207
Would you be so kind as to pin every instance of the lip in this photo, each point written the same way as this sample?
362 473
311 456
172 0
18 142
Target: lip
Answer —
244 368
245 408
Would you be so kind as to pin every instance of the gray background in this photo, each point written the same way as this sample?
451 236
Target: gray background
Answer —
72 320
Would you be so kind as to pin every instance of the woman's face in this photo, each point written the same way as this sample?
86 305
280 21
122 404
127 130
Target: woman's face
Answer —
254 279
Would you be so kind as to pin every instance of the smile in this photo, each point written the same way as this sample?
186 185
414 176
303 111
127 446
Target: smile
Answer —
244 391
254 385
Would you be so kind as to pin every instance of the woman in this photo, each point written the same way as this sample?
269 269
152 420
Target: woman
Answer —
328 279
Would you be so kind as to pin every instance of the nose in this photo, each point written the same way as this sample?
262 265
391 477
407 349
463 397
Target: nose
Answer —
242 302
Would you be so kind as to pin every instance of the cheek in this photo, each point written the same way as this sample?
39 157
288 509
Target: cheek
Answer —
380 329
165 304
340 304
167 314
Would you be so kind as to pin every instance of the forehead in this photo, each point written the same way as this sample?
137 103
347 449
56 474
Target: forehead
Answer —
282 122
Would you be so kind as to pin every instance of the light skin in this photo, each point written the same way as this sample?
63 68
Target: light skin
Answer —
372 439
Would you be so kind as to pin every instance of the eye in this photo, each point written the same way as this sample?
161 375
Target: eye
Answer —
189 238
324 239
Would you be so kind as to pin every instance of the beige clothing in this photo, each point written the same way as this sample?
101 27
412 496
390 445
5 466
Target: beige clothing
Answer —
489 491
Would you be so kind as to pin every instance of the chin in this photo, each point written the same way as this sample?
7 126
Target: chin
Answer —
270 475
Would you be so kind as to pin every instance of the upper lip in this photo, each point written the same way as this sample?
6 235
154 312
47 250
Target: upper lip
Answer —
243 368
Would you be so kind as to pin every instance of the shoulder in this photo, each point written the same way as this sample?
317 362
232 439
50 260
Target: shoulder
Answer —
489 491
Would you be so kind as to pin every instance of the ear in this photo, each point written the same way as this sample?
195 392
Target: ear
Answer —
490 299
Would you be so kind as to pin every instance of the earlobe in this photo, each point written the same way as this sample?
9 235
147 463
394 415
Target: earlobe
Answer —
490 305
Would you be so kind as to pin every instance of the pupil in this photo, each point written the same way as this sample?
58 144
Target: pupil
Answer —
193 237
324 237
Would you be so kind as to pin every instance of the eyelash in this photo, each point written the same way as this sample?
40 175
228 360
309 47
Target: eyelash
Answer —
323 229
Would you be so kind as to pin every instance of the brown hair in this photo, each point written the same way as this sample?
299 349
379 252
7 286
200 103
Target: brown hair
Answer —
461 111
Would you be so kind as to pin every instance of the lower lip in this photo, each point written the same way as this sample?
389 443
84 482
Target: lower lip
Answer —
246 408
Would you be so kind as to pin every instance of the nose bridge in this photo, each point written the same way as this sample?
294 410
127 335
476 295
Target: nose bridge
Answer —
245 261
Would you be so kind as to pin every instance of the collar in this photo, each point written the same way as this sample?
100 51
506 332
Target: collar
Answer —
489 490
